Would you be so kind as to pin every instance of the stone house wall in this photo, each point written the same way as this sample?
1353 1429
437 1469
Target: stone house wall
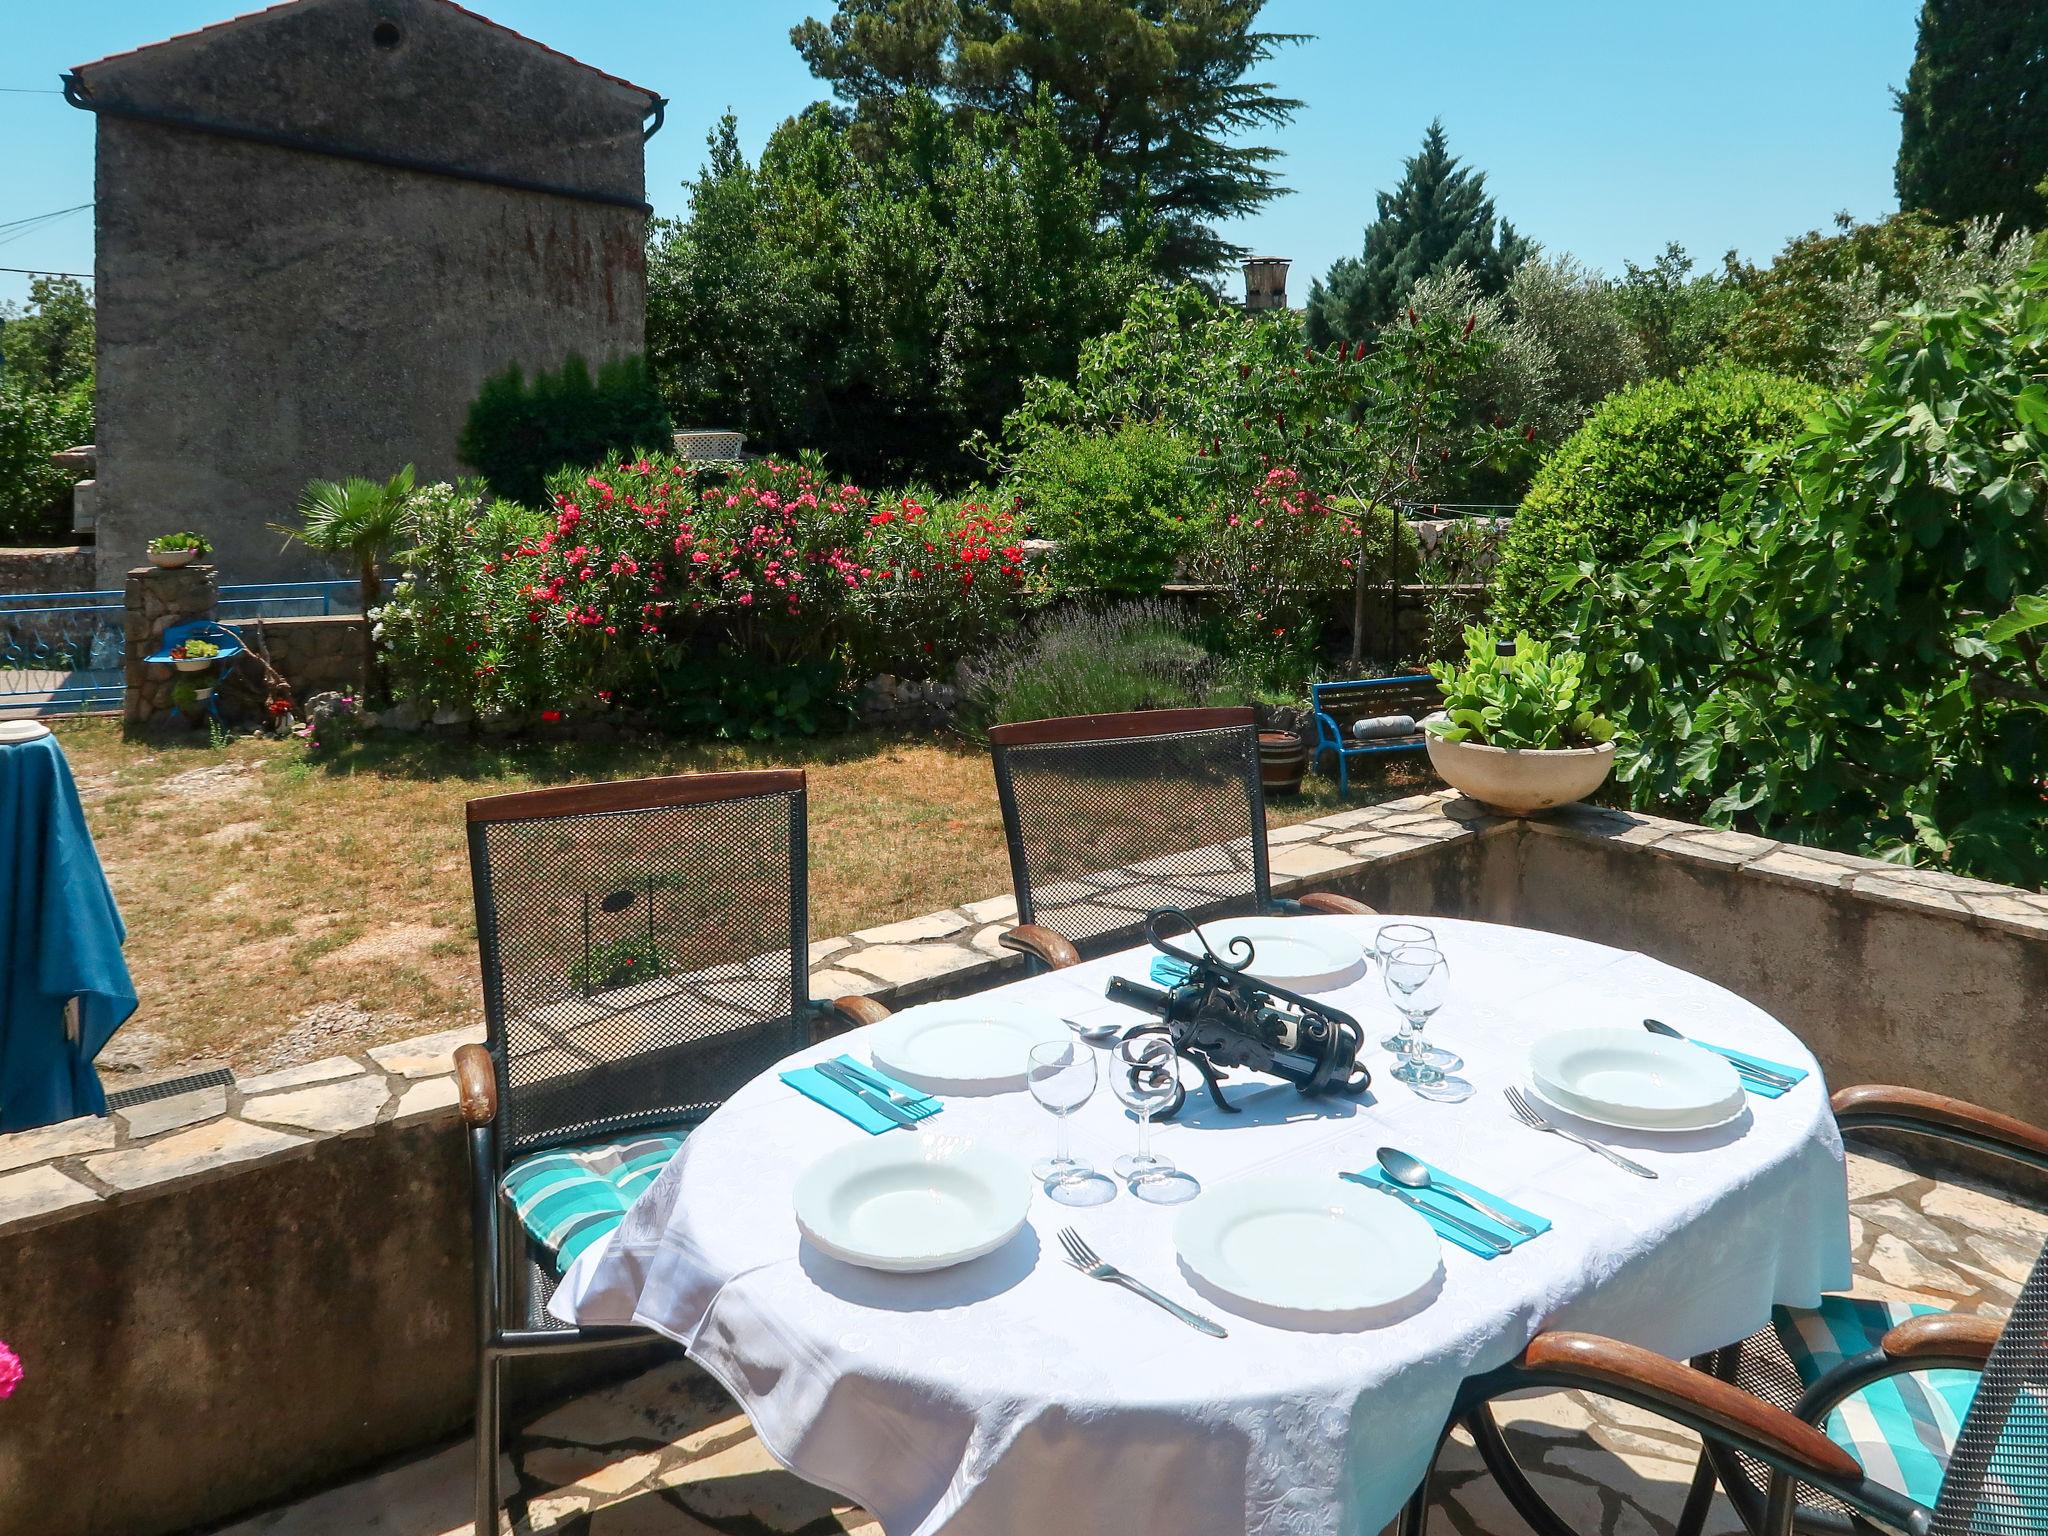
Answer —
269 315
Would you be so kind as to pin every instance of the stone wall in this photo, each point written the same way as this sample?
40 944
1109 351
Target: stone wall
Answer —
46 570
314 654
269 315
283 1261
155 600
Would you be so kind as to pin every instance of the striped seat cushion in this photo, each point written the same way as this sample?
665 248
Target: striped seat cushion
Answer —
569 1197
1902 1429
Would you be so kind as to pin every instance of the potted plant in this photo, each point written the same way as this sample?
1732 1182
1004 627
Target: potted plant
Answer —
192 698
194 655
168 551
1517 732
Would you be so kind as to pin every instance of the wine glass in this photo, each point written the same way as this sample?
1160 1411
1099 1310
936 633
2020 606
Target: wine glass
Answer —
1419 981
1061 1076
1144 1074
1393 936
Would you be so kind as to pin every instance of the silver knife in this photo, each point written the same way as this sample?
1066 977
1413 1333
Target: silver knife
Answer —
888 1091
832 1072
1407 1198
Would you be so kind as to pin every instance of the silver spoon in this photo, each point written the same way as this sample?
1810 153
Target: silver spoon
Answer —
1761 1074
1403 1169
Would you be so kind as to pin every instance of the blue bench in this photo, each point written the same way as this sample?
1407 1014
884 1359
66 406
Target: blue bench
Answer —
1338 706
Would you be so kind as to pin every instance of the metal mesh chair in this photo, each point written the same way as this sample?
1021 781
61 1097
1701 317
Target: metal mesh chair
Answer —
644 953
1762 1423
1111 816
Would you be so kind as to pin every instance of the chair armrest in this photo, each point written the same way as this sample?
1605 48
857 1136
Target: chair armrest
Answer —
1326 729
476 1085
1042 944
1944 1338
844 1013
1693 1398
1880 1106
1331 902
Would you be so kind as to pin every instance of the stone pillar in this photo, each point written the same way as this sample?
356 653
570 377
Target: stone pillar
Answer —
157 599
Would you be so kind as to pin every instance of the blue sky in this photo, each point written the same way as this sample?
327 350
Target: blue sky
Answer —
1606 127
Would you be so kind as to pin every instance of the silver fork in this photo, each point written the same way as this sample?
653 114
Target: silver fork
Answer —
1086 1260
1535 1119
915 1104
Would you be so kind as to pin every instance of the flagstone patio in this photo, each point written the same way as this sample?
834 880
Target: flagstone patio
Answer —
668 1454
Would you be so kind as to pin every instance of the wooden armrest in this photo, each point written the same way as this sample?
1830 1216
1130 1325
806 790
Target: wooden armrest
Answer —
476 1085
1883 1106
1040 942
1946 1337
1607 1365
849 1012
1330 901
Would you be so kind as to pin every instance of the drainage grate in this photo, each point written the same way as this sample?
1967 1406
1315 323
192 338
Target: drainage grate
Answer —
170 1088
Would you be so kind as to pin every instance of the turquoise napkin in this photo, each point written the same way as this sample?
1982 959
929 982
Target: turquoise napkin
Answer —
812 1084
1437 1202
1170 973
1761 1090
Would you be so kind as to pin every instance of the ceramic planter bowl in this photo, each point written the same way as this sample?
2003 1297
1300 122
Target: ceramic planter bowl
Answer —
171 559
194 663
1519 782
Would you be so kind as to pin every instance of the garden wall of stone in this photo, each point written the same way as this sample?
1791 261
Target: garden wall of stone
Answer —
315 654
243 1292
45 570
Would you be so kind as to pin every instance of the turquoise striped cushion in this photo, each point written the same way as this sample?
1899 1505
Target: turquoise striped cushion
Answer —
1902 1429
569 1197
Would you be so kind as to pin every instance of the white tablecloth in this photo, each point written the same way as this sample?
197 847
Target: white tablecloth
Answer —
1013 1395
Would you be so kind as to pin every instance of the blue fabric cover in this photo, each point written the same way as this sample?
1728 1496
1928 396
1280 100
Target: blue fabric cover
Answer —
569 1197
62 937
1902 1429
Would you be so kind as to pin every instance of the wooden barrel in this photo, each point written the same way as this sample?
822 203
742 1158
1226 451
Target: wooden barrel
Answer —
1283 759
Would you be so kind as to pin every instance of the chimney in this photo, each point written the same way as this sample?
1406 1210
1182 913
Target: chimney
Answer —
1265 282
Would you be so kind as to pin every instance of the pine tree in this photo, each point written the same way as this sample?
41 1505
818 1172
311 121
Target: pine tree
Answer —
1439 217
1973 139
1154 93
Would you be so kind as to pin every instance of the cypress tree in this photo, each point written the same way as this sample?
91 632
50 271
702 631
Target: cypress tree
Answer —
1438 217
1973 139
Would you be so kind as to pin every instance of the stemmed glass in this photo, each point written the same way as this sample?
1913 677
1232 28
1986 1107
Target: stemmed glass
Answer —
1061 1075
1395 936
1418 981
1143 1075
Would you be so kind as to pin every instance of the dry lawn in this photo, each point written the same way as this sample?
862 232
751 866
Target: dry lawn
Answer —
281 909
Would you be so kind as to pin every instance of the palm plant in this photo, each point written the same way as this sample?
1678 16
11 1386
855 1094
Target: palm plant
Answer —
359 519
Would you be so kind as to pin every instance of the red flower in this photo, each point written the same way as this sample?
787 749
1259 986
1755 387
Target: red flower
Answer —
552 716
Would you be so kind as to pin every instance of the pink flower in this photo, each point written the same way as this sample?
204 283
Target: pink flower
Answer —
746 599
10 1371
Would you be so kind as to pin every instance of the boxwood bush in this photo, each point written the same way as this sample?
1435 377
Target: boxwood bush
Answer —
1124 505
1646 460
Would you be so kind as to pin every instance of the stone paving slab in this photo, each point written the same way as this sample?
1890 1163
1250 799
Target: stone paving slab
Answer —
667 1454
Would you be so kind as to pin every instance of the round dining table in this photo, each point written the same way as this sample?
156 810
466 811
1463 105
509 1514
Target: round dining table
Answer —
1013 1394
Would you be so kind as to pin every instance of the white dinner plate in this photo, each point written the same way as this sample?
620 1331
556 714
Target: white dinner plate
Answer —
912 1203
1626 1077
969 1045
1301 954
1308 1245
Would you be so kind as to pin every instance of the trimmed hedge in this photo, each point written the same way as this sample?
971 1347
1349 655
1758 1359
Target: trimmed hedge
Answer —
1646 460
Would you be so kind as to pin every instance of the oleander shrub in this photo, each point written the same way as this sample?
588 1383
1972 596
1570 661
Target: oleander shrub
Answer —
521 431
1647 460
1126 506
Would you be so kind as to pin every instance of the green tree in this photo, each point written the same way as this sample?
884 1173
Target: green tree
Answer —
365 521
34 493
1681 321
1155 94
1439 217
1850 651
1973 140
47 345
519 432
879 307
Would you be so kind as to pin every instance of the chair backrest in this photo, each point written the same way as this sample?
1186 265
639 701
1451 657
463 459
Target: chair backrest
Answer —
644 948
1997 1482
1110 816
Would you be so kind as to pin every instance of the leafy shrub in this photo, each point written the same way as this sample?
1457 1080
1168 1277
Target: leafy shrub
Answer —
34 493
1850 653
1087 661
1647 460
518 433
1125 506
1528 699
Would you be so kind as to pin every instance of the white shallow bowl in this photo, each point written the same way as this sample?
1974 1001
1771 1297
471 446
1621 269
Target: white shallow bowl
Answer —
912 1203
970 1045
1631 1078
1307 1246
1302 954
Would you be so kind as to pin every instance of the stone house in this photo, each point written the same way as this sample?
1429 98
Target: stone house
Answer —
320 228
